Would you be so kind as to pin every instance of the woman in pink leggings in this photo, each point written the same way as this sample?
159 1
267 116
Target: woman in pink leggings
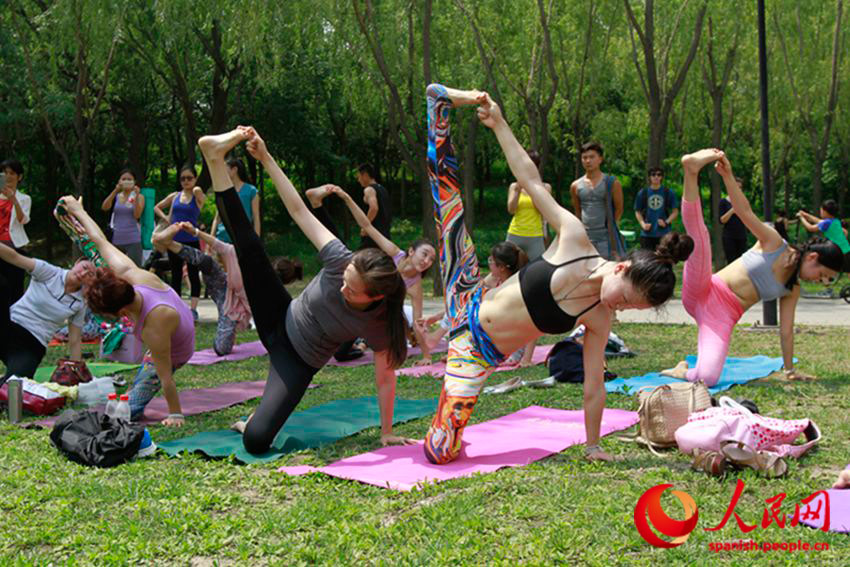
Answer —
768 270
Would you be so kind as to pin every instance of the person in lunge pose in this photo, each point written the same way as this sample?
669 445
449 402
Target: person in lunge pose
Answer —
569 284
355 294
411 264
54 295
161 320
225 288
769 270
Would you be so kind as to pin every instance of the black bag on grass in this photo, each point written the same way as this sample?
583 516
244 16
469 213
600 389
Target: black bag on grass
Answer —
92 438
566 362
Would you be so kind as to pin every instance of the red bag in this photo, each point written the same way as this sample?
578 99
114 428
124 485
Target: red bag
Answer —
70 372
36 398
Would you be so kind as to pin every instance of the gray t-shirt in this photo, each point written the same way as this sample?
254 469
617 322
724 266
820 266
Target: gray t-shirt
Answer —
45 306
319 321
593 203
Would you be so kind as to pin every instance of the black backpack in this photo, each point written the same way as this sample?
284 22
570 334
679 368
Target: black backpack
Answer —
92 438
566 362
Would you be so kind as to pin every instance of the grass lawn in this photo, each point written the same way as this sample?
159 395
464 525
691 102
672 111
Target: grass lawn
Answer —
561 510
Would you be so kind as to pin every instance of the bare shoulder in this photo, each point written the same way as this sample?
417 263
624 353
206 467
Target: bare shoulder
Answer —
138 276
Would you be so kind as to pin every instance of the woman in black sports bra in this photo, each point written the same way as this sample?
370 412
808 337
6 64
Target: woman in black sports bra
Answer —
570 284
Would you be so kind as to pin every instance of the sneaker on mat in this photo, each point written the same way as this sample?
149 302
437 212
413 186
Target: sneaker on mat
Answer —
147 447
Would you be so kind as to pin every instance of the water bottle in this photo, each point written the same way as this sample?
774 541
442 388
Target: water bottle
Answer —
112 404
122 411
15 393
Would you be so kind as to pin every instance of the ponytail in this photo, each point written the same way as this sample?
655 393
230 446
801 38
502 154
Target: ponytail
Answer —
381 277
651 273
829 255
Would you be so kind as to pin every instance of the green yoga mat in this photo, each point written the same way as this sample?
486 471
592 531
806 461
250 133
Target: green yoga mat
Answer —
97 369
316 426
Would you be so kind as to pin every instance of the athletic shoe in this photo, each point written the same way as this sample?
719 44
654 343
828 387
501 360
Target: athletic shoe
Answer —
147 447
195 315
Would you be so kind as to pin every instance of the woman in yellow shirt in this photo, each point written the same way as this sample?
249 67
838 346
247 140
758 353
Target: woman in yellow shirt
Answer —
528 231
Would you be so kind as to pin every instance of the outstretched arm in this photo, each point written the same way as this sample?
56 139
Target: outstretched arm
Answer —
363 222
766 235
808 224
306 221
11 256
116 259
524 170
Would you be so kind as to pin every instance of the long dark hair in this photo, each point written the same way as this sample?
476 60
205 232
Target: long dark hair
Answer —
829 255
651 273
381 277
241 170
509 255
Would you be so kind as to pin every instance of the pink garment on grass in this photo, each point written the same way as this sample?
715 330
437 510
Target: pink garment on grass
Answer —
707 299
236 305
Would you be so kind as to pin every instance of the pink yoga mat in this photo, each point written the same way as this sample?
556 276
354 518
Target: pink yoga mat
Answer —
514 440
240 352
439 368
255 348
200 400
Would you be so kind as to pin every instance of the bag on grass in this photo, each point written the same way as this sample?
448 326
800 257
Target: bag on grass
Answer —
70 372
731 421
664 409
92 438
36 398
566 362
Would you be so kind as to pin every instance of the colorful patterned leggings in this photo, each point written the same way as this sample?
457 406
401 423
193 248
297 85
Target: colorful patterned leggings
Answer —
466 367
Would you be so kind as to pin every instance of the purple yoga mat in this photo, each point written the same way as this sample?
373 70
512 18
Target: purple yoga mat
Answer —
255 348
839 511
439 368
240 352
193 402
514 440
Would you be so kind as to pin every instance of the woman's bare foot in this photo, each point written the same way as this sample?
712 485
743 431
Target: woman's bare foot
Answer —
843 480
463 98
697 160
217 146
317 194
679 371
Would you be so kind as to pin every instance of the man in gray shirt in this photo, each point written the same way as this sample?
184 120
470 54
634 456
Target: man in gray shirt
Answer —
589 195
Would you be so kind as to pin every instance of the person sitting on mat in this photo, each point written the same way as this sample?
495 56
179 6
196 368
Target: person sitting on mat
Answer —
541 298
355 294
411 264
161 320
771 269
54 295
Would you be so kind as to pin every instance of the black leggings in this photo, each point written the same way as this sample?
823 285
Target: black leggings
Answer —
20 351
289 375
176 263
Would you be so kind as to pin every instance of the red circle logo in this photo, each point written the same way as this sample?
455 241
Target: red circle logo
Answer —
648 511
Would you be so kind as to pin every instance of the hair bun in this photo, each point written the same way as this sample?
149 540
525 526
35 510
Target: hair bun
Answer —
674 247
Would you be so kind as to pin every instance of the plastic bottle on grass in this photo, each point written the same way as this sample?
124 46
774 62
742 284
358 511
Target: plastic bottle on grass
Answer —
111 404
123 409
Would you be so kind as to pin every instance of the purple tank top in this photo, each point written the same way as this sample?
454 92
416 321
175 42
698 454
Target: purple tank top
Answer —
125 228
408 282
183 339
185 212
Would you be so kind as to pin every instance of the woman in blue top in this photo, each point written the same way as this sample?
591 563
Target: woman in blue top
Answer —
185 207
248 195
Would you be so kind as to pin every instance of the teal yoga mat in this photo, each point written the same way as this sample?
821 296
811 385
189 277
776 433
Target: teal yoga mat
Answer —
316 426
97 369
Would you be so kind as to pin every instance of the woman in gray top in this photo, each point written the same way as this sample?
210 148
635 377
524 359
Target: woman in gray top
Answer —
354 295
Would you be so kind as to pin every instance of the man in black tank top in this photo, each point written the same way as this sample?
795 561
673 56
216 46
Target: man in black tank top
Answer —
377 200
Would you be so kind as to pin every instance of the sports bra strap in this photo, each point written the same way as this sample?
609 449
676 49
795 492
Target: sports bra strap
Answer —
588 308
579 259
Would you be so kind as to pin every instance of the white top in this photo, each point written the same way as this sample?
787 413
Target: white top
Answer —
16 229
45 306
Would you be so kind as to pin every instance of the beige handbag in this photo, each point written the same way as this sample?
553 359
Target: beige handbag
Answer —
664 409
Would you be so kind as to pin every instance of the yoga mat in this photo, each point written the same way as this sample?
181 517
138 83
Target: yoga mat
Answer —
196 401
97 370
439 368
735 371
240 351
256 348
312 427
514 440
839 511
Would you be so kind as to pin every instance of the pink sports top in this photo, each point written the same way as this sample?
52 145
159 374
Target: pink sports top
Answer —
183 339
